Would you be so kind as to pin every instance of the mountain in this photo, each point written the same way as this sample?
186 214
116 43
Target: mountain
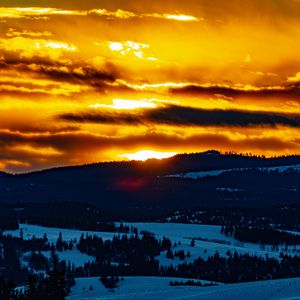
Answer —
146 188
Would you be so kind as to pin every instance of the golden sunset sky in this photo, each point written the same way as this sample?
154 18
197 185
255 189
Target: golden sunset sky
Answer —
89 81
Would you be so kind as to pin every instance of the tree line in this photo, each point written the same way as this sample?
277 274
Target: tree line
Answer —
261 235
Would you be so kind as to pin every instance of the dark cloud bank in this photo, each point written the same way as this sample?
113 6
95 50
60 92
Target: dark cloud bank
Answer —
185 116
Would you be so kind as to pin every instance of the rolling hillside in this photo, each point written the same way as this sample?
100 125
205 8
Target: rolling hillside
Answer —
151 188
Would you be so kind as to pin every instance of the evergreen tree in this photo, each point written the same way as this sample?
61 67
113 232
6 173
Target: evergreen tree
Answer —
59 243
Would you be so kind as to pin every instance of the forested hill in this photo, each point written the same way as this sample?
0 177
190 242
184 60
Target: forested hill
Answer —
209 160
131 187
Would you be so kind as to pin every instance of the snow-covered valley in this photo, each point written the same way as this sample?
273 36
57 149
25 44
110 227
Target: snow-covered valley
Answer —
208 240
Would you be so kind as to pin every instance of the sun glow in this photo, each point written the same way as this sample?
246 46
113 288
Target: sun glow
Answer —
148 154
128 47
126 104
181 18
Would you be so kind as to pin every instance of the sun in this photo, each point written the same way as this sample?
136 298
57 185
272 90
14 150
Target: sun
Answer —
148 154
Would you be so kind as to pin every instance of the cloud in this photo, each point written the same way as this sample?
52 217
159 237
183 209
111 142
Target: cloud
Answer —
49 80
35 12
222 91
102 118
85 74
174 115
27 33
35 88
238 91
42 75
174 17
128 104
118 14
128 47
30 47
69 65
295 78
46 12
38 59
21 152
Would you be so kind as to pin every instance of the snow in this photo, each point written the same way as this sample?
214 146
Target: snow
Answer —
195 175
184 233
139 287
282 168
158 288
230 190
210 173
176 231
147 288
20 289
73 256
52 233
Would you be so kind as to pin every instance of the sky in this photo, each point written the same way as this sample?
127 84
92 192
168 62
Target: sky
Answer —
91 81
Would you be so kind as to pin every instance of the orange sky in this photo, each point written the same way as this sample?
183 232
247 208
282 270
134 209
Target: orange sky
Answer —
95 81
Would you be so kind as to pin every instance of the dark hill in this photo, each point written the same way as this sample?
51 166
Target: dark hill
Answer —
140 187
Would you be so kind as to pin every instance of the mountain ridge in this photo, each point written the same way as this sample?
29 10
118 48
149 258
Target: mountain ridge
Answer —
210 154
134 187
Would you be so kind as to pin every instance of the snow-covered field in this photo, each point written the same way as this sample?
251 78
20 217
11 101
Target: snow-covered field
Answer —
157 288
182 234
52 233
73 256
201 174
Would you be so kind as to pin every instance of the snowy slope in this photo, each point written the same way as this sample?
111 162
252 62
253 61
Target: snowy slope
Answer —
147 288
73 256
195 175
182 233
52 233
158 288
131 288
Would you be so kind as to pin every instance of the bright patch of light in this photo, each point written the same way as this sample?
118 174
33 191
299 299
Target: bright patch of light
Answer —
132 104
115 46
182 18
127 104
148 154
154 86
128 47
295 78
56 45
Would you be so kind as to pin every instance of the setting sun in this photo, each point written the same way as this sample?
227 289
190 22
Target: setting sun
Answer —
148 154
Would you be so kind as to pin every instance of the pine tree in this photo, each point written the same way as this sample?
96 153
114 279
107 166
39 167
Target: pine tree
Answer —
193 243
170 254
59 243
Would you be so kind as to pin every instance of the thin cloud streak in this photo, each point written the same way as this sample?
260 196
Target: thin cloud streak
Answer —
186 116
46 12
